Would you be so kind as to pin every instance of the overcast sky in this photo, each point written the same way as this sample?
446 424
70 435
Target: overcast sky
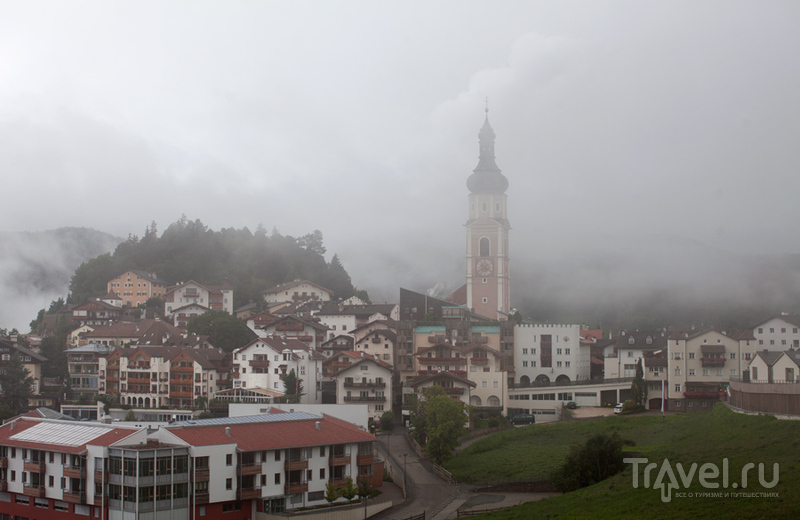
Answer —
614 120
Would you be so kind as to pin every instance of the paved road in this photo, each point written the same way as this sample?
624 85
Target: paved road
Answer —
430 493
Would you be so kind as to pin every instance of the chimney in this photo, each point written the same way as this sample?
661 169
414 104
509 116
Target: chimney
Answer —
316 425
228 431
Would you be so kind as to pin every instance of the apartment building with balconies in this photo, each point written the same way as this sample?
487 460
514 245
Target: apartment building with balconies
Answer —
232 469
701 363
213 297
366 381
264 363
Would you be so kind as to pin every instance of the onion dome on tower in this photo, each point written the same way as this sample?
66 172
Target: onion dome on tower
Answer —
486 177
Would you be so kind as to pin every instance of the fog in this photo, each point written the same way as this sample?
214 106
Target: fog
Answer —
647 145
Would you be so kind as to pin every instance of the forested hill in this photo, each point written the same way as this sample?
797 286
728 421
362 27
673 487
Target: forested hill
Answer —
249 262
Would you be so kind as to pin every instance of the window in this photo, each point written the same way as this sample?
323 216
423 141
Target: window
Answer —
322 473
484 384
760 330
524 351
495 384
783 330
771 330
277 478
706 372
229 459
566 351
228 483
567 364
719 372
677 371
677 388
558 351
691 371
733 371
524 364
558 364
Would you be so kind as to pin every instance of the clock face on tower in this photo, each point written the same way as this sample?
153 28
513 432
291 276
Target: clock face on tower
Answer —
484 267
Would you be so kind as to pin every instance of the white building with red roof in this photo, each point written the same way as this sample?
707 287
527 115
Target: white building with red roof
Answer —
366 381
233 468
264 363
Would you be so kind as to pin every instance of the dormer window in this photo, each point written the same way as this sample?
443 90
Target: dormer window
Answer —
631 340
649 340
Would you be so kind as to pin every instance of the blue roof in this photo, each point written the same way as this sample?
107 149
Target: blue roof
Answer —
489 329
425 329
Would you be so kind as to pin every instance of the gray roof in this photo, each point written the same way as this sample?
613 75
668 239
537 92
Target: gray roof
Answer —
250 419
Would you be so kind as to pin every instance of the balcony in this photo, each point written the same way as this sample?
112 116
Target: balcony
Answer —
479 360
201 498
100 501
139 366
33 466
4 462
74 472
435 339
4 485
365 459
294 465
448 360
339 459
235 375
713 361
249 469
259 363
364 399
340 364
339 482
33 491
202 474
703 395
253 493
370 384
141 379
74 498
98 476
453 391
182 369
305 338
293 488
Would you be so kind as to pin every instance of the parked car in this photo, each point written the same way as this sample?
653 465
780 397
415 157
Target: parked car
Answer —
618 408
521 420
572 405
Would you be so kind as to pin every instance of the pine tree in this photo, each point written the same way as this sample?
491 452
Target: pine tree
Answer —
16 384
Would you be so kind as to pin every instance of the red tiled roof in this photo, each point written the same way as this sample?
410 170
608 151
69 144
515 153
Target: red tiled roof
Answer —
274 435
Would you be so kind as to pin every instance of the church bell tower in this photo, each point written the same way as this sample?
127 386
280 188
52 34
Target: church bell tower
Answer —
487 233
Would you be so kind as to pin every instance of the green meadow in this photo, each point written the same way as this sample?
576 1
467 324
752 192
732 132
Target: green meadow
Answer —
710 437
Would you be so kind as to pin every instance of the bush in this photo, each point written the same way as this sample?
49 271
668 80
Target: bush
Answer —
387 421
598 459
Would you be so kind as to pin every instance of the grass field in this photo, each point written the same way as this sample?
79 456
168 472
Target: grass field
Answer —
685 438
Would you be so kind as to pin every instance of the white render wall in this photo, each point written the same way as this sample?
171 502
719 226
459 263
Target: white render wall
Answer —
527 351
777 334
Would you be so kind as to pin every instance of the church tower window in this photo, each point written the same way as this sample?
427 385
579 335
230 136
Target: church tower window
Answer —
484 246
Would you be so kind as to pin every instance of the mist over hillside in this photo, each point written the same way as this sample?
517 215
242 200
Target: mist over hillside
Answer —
36 267
605 281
